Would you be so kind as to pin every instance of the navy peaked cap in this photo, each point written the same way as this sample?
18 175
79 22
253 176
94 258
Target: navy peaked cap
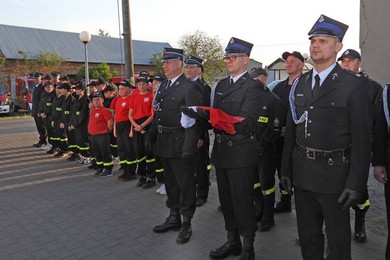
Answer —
236 46
326 26
172 54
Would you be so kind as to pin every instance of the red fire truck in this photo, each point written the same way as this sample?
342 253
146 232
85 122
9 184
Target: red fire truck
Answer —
20 89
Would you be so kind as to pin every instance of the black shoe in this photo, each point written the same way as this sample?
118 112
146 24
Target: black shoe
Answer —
266 224
247 254
149 184
283 206
141 182
171 223
129 177
52 150
184 234
40 144
227 249
73 157
92 166
200 202
98 172
61 154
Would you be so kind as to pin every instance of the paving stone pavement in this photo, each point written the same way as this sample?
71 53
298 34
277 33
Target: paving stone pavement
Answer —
54 209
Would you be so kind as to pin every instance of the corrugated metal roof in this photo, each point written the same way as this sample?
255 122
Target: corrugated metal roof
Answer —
68 45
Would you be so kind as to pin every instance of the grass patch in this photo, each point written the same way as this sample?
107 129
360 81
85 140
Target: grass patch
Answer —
14 116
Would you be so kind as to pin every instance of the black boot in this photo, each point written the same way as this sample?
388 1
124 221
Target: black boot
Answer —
248 252
231 247
360 229
173 222
268 213
284 205
259 204
185 231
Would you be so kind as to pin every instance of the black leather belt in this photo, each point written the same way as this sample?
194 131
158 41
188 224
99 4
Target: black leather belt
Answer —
313 154
168 129
236 137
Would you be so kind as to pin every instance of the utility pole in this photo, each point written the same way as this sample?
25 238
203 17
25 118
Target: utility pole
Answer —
127 39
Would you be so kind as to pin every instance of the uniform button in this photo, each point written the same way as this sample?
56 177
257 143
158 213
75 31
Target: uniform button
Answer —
311 107
309 121
162 99
309 134
332 103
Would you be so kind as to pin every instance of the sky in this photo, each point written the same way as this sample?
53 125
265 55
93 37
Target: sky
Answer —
273 26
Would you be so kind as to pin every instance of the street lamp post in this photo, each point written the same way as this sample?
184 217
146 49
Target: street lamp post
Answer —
85 37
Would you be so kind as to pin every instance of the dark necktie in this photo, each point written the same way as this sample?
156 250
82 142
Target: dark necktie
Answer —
231 82
316 88
168 84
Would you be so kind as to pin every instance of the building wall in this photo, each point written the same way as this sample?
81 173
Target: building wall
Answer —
375 38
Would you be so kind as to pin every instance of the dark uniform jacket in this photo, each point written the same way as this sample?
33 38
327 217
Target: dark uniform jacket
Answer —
270 120
205 93
36 98
282 90
241 99
338 118
66 107
57 108
172 138
79 112
381 144
46 103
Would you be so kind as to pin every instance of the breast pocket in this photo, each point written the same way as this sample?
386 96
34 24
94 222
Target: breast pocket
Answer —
331 108
232 104
300 101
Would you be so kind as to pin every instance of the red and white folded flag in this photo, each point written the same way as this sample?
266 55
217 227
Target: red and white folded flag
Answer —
218 119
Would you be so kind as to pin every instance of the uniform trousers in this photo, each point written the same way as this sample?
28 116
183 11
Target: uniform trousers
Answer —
180 185
113 145
40 128
145 160
235 189
49 129
72 146
202 160
313 209
266 170
100 144
125 147
278 157
82 139
387 199
61 136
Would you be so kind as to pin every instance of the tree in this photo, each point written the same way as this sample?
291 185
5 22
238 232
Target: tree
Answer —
156 60
46 63
102 71
209 49
103 33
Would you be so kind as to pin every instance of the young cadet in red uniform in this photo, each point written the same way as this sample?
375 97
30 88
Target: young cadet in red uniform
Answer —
141 114
99 127
120 106
109 94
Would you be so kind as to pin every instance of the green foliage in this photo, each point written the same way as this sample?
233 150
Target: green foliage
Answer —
209 49
46 62
156 61
103 33
101 70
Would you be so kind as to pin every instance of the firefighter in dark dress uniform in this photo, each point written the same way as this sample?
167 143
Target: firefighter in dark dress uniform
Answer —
235 156
36 98
267 133
176 146
327 145
381 154
351 60
294 63
193 71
